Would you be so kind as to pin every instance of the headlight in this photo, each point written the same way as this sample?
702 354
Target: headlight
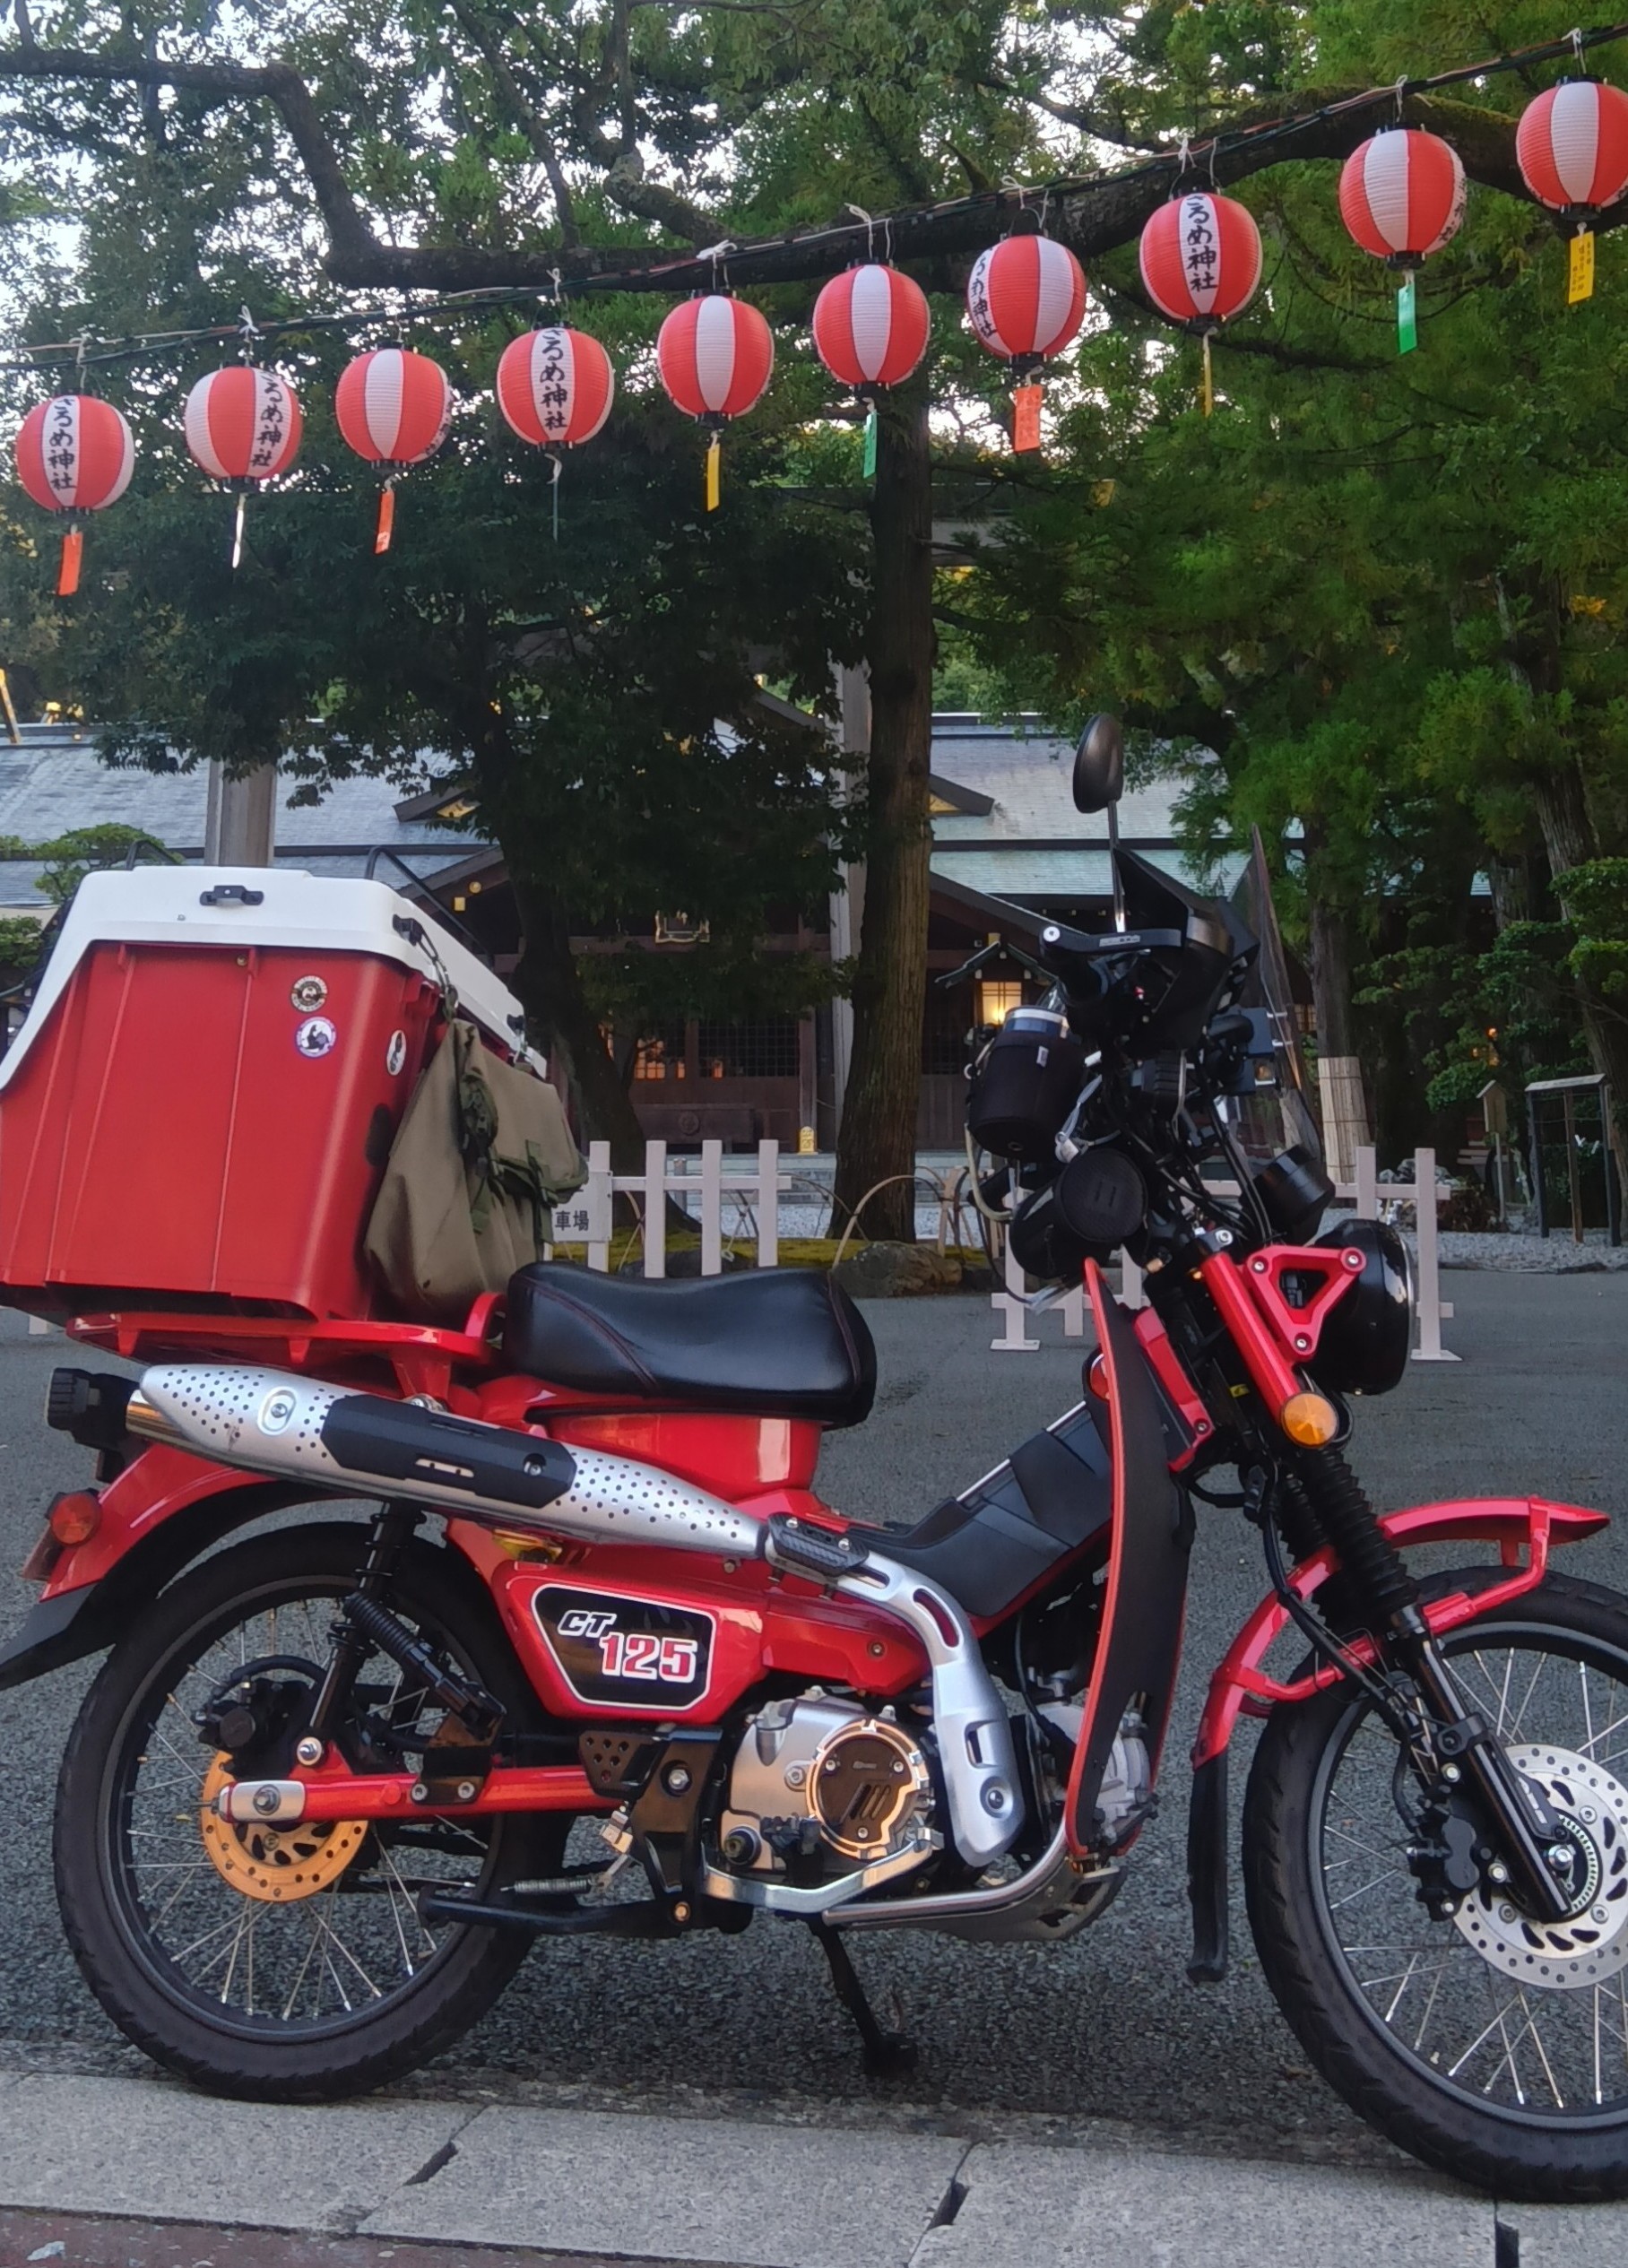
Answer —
1365 1343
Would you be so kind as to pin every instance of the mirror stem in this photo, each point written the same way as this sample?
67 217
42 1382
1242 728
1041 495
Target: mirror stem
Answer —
1113 868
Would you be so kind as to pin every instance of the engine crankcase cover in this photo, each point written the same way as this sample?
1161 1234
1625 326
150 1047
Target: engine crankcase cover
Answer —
867 1787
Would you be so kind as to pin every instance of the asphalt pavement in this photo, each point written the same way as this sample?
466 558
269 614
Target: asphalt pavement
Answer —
1018 2045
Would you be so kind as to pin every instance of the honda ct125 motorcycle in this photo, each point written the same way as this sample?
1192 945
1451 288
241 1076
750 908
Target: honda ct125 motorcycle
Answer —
598 1660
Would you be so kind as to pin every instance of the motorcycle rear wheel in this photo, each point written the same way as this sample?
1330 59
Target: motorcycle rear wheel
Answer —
1442 2034
338 1989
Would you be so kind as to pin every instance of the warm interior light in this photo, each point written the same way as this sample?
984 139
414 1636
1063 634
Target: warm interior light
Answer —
1310 1420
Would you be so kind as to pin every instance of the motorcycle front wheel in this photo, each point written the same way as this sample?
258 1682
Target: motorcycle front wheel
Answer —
1493 2046
282 1965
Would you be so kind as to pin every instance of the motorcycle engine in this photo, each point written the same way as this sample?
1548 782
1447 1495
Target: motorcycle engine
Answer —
818 1780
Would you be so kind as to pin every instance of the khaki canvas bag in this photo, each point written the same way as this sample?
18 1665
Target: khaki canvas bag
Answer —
482 1154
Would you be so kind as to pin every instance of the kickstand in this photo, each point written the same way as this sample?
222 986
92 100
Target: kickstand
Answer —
886 2053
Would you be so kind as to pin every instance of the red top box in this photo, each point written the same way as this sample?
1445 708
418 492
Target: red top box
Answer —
197 1112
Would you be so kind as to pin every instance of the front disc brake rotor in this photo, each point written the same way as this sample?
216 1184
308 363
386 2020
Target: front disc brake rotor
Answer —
1591 1944
276 1864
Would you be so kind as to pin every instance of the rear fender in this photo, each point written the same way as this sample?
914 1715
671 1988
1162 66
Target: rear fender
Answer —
1524 1528
163 1511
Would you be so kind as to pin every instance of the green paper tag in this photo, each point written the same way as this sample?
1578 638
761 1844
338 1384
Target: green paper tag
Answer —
1408 314
869 461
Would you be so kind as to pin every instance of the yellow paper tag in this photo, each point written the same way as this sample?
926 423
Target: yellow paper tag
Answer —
711 474
1579 275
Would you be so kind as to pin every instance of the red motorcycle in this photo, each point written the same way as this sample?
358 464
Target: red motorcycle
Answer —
333 1781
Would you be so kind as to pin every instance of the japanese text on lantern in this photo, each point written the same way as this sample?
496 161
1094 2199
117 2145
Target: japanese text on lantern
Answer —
549 387
58 449
268 432
1200 249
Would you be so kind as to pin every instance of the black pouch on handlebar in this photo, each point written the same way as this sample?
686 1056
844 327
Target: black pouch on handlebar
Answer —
1026 1085
1096 1202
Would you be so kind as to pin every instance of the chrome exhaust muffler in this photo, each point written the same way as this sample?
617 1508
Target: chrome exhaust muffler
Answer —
352 1444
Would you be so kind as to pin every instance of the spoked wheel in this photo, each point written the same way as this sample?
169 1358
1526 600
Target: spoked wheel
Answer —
1493 2045
281 1963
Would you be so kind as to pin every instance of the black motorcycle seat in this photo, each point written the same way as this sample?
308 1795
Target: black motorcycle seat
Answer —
782 1342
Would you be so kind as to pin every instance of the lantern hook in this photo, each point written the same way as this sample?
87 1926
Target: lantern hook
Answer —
82 349
1183 155
1576 47
716 253
859 213
248 332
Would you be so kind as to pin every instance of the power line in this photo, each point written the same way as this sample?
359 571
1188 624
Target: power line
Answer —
148 345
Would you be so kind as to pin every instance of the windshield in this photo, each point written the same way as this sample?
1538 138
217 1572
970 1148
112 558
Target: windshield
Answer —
1276 1115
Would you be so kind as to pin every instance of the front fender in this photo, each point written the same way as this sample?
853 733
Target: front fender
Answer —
161 1513
1523 1528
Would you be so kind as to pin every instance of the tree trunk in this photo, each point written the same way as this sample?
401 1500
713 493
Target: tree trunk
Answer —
876 1141
1331 972
1569 839
550 985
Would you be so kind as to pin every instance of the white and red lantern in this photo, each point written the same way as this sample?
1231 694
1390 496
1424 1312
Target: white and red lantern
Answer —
1200 260
243 425
392 409
870 326
716 355
1401 195
555 388
74 454
1025 299
1571 146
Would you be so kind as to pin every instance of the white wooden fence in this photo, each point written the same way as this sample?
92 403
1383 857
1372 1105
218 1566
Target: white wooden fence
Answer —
739 1198
1369 1198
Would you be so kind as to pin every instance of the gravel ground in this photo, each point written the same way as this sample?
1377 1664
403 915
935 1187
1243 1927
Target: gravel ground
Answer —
1105 2027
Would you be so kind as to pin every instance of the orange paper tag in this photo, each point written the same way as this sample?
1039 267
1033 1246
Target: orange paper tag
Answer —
67 575
1025 417
385 528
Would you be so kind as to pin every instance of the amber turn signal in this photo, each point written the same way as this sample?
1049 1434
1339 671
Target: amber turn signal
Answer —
74 1519
1310 1420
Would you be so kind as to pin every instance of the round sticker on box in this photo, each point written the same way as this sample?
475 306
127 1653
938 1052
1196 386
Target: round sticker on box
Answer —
308 994
315 1036
396 1054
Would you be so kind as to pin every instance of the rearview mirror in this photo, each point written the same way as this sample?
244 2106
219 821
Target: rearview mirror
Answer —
1099 764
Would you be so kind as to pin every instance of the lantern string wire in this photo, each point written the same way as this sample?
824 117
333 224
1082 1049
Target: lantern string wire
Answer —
152 346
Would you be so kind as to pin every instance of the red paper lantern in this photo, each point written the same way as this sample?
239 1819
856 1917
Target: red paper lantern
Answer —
1027 298
243 424
716 355
555 388
1201 258
393 407
1571 146
1401 195
74 454
870 326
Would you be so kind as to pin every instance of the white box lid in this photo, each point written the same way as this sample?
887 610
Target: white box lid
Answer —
267 906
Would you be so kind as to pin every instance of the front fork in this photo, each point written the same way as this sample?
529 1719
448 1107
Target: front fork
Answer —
1319 1498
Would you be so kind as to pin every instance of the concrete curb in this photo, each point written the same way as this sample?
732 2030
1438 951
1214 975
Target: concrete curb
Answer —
732 2193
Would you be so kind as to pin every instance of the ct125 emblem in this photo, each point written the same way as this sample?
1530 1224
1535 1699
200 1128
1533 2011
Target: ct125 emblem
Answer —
637 1653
